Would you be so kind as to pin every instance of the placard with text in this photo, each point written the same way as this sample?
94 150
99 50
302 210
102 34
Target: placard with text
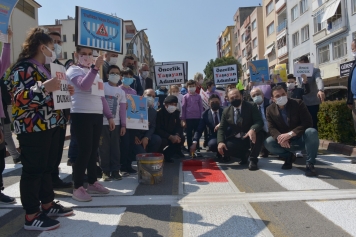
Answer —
303 68
226 75
172 74
61 98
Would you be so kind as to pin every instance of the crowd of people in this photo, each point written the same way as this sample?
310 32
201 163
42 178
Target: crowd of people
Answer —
279 119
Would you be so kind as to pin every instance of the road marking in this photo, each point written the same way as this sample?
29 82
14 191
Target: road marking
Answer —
338 162
11 167
4 212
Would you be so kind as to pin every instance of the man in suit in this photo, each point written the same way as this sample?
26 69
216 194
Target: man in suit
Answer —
351 98
146 82
240 121
261 103
168 127
110 58
291 129
211 120
146 140
129 62
316 96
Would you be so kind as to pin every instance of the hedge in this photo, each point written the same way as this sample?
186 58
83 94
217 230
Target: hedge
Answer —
336 123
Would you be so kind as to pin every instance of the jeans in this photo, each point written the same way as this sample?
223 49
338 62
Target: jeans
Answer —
313 110
152 147
109 149
308 141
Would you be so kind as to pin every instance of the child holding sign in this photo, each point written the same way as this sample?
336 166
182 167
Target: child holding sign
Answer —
88 107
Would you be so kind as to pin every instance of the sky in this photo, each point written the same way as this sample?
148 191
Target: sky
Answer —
178 30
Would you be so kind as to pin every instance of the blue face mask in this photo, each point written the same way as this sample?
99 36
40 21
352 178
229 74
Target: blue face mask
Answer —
127 81
214 88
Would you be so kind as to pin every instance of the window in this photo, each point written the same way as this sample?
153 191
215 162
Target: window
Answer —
295 38
303 6
272 56
27 8
64 38
244 53
254 43
269 7
318 25
305 33
270 29
73 37
340 48
254 24
64 55
294 12
243 37
324 54
353 6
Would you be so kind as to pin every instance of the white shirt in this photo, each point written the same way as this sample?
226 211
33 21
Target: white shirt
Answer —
262 110
114 96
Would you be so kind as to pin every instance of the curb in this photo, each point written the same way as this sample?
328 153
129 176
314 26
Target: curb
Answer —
337 147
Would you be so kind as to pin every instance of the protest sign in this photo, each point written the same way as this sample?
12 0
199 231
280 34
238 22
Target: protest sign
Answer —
221 94
226 74
6 8
303 68
97 88
156 103
98 30
259 71
136 113
280 73
185 67
61 98
345 68
205 98
172 74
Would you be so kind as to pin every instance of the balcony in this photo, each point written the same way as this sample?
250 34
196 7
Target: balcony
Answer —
282 26
280 4
282 51
335 25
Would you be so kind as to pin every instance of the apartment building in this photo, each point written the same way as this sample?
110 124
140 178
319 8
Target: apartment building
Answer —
269 16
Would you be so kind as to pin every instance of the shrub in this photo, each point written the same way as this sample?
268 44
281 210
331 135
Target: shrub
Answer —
335 122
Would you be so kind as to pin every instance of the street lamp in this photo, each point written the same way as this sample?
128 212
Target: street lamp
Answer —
130 46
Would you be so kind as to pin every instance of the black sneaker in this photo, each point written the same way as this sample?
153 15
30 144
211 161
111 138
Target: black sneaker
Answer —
130 170
288 163
6 199
41 222
310 170
116 175
58 210
17 160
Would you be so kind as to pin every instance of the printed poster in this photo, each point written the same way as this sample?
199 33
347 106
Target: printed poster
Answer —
172 74
226 75
280 73
6 8
98 87
156 103
259 71
61 98
136 113
98 30
303 68
205 98
185 66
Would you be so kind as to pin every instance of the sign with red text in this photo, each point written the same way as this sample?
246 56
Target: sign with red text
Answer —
61 98
172 74
226 75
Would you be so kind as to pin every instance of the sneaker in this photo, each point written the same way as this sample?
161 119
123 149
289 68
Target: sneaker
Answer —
81 195
130 170
252 166
105 177
287 163
41 222
299 154
310 170
116 175
123 173
57 210
6 199
97 188
16 160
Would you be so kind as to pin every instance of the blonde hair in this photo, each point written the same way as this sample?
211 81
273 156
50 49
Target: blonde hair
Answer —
197 76
173 87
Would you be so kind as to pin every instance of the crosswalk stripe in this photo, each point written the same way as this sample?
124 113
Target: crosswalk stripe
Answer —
11 167
338 162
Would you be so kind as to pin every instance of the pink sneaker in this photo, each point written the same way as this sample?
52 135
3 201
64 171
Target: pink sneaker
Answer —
81 195
97 188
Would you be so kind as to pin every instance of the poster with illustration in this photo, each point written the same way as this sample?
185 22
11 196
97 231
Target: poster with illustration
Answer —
156 103
280 73
259 71
136 113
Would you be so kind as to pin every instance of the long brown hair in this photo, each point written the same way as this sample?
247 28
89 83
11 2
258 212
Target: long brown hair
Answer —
35 37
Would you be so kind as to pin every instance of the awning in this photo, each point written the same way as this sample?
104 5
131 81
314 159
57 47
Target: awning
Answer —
269 50
331 10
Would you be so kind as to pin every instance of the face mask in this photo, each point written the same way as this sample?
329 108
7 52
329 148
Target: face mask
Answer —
144 74
150 101
257 99
175 94
113 60
213 89
282 100
57 49
215 106
127 81
290 86
192 89
50 59
114 78
131 67
354 54
171 108
236 102
85 60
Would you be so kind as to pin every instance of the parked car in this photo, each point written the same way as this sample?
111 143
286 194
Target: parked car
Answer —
335 93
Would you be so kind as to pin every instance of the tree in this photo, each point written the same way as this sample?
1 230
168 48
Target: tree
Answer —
209 69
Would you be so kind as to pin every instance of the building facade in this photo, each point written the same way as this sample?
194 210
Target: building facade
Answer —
269 16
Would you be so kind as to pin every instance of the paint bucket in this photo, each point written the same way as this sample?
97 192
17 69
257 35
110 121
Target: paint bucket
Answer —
150 168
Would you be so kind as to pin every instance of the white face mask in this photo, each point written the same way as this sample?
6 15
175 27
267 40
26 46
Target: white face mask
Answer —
50 59
291 86
258 99
282 100
150 101
175 94
192 89
113 60
114 78
171 108
57 49
144 74
354 54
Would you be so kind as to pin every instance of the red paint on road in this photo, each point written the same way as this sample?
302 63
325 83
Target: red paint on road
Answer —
205 171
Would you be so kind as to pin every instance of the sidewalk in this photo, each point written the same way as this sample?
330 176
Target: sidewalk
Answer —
339 148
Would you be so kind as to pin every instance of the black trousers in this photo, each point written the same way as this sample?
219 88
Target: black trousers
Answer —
192 126
244 148
39 151
126 148
313 110
87 128
62 138
2 167
168 149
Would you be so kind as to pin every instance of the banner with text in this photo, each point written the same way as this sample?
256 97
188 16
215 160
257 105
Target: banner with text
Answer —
226 75
185 64
137 112
303 68
345 68
172 74
61 98
98 30
6 8
259 71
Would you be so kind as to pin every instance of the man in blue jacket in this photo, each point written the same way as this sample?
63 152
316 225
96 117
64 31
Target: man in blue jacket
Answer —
351 98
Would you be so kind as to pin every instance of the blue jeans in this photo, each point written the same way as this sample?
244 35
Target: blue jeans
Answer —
309 141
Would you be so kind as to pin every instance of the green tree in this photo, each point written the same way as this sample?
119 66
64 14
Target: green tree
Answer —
209 69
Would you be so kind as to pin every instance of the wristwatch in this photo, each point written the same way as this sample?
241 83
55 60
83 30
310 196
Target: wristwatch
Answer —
290 133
